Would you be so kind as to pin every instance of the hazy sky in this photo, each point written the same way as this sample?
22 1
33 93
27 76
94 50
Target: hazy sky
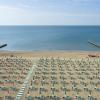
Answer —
49 12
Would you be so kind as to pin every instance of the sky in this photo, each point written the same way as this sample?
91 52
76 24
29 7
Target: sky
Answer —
49 12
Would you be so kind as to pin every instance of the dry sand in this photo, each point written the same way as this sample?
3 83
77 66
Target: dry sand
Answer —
63 54
55 54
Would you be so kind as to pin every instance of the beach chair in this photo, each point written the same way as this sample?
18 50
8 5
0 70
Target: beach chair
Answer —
29 98
79 98
1 98
9 98
91 98
67 98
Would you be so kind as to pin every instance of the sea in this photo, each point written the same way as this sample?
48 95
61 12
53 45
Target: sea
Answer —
49 38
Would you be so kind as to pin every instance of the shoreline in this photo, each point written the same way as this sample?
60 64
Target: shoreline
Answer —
52 53
60 50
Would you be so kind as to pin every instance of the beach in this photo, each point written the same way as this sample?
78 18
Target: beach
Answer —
49 75
50 50
58 53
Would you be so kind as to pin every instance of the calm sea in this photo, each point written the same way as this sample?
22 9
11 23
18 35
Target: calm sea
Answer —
49 37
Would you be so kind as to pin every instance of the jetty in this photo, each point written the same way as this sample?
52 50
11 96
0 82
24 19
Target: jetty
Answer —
96 45
4 45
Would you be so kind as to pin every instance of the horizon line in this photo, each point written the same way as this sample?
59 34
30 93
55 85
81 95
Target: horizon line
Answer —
48 25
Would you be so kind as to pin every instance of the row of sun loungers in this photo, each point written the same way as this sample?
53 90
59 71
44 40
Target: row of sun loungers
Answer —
13 71
53 78
65 79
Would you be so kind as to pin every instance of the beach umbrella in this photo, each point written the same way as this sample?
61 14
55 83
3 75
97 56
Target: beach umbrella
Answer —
97 89
79 98
91 98
64 89
42 97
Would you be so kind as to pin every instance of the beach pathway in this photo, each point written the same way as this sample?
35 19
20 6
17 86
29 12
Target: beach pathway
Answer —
26 83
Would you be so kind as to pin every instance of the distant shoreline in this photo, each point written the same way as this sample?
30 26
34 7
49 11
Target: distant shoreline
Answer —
51 50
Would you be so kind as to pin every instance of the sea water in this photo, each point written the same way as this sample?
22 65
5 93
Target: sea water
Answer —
44 38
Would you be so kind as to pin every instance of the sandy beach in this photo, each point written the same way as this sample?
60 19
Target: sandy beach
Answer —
50 50
71 54
49 75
